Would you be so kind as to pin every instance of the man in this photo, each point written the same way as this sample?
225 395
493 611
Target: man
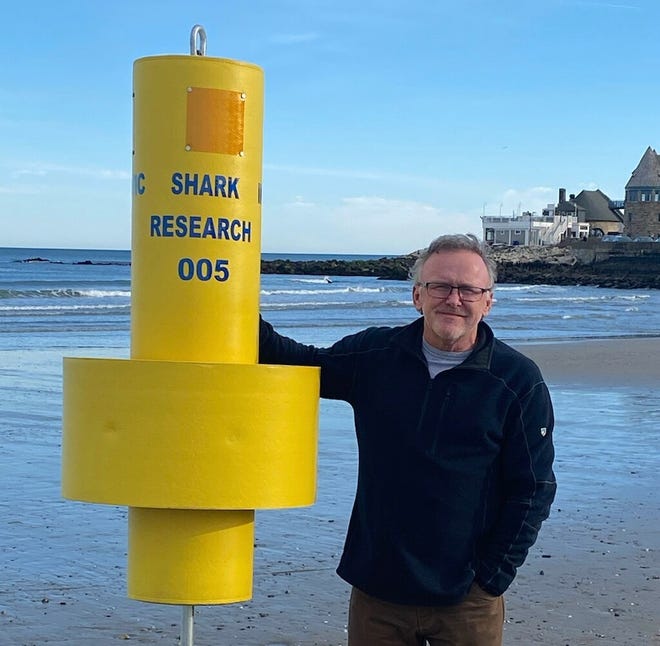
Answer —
454 432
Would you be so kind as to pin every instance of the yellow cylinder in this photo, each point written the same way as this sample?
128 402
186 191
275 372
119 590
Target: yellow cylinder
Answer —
208 555
189 435
195 277
196 235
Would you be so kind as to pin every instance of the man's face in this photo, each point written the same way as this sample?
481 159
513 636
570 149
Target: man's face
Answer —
451 323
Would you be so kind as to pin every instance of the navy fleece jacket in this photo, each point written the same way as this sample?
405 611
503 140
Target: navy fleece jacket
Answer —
455 472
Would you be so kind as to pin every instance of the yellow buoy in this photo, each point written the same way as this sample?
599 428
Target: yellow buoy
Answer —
191 433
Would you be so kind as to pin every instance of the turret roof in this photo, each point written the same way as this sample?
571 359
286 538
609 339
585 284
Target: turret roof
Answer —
647 173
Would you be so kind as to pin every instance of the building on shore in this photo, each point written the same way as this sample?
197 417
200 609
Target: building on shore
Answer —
642 203
566 219
589 213
600 212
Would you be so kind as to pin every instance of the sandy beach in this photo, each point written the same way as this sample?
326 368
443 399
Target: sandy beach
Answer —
598 362
592 578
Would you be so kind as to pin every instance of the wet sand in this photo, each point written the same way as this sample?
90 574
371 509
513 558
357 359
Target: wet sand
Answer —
598 362
592 578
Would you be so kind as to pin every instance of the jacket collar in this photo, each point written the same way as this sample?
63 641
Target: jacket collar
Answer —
409 337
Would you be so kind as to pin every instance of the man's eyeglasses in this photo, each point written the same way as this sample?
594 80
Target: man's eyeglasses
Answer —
466 293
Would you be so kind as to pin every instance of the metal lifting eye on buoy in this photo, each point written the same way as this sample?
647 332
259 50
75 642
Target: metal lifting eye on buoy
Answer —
198 33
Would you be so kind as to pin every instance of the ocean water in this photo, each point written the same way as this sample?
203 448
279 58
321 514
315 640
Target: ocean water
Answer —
53 299
56 303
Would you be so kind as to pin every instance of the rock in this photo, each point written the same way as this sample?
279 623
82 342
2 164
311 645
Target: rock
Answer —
622 265
607 265
393 268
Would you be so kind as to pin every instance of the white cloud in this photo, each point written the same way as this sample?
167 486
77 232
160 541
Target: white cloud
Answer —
607 5
39 169
328 172
517 200
361 225
18 190
300 202
294 39
362 174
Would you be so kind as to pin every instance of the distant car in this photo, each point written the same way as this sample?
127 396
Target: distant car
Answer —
616 237
643 239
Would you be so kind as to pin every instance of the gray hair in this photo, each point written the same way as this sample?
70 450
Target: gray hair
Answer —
455 242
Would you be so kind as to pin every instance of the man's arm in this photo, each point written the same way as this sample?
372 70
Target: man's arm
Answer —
336 362
275 348
528 485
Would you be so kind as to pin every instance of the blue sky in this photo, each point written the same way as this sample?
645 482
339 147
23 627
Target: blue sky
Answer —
386 123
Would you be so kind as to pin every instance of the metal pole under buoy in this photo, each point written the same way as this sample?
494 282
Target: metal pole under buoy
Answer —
197 48
187 626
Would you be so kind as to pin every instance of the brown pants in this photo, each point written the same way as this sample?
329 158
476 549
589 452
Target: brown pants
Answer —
476 621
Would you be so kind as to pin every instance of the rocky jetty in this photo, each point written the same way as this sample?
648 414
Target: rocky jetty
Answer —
393 268
622 265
